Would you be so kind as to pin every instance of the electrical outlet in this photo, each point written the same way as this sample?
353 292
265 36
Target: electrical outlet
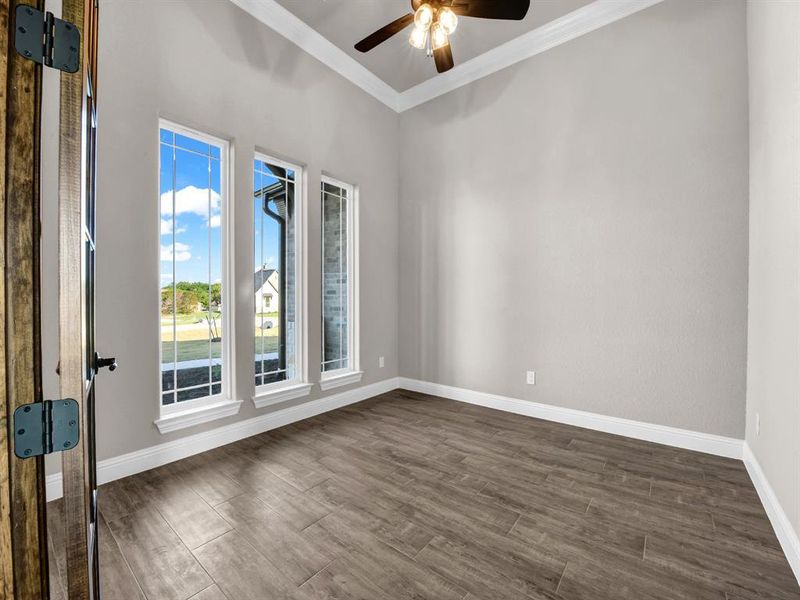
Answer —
380 362
758 424
531 378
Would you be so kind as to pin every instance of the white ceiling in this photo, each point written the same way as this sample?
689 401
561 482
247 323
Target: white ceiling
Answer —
402 77
345 22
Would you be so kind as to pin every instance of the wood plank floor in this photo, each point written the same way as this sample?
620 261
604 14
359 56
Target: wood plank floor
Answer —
407 496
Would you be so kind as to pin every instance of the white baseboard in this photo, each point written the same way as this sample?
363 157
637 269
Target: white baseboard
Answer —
161 454
787 536
155 456
660 434
671 436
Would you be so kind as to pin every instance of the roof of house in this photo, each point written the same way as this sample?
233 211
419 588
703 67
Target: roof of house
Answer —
262 276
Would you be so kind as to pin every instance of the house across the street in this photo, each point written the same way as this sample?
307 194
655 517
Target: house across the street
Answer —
267 286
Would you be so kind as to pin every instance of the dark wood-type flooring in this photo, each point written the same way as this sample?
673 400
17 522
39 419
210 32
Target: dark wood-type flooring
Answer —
407 496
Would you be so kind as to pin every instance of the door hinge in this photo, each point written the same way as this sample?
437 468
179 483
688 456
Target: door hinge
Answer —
43 38
46 427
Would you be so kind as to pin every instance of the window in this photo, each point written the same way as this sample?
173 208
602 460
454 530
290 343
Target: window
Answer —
193 198
339 340
277 280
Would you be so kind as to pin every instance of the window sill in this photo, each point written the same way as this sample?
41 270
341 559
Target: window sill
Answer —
196 416
335 381
281 394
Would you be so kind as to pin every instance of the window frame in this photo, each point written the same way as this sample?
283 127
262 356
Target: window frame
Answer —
352 373
298 386
198 410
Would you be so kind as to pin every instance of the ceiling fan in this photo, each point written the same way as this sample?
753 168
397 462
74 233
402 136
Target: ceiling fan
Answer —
435 20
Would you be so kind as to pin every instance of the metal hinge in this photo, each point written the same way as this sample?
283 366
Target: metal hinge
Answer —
46 427
47 40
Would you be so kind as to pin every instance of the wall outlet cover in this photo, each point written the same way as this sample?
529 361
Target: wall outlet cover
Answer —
531 378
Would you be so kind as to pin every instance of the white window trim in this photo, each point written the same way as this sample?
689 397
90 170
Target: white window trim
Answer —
281 393
195 416
200 410
338 378
351 374
298 386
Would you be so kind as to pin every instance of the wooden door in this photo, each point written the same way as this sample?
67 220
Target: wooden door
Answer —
23 536
77 356
23 554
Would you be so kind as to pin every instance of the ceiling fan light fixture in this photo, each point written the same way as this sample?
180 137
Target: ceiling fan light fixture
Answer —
438 36
423 17
448 19
436 20
419 37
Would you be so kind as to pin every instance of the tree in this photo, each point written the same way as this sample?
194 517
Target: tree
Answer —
186 300
202 291
189 294
216 294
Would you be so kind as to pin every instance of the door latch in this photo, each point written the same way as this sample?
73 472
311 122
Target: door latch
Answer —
102 363
46 427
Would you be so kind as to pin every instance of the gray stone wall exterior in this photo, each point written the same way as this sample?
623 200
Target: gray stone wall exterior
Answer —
334 278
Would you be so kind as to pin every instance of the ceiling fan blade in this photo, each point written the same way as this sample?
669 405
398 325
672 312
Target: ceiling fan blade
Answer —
384 33
443 58
514 10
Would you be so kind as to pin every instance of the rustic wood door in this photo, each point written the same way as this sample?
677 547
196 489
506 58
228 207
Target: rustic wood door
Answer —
23 555
23 535
78 359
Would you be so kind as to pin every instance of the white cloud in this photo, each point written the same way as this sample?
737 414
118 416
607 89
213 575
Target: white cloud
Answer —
215 221
182 253
193 200
166 227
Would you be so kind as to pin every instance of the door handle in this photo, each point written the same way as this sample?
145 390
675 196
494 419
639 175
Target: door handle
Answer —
100 362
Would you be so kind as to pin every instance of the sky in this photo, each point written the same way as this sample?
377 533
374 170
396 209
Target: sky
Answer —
193 215
266 231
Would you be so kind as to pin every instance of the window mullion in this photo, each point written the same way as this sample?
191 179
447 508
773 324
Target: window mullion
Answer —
341 276
208 307
324 282
261 257
174 283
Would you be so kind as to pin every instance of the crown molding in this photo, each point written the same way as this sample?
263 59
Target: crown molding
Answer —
572 25
276 17
559 31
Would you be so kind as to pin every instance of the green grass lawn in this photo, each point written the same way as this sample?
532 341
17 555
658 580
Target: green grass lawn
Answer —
191 350
188 318
197 349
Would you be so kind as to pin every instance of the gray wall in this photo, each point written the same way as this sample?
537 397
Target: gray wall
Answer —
584 214
773 374
209 65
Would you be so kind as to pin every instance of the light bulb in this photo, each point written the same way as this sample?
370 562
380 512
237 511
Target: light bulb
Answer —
438 37
418 37
424 16
448 19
